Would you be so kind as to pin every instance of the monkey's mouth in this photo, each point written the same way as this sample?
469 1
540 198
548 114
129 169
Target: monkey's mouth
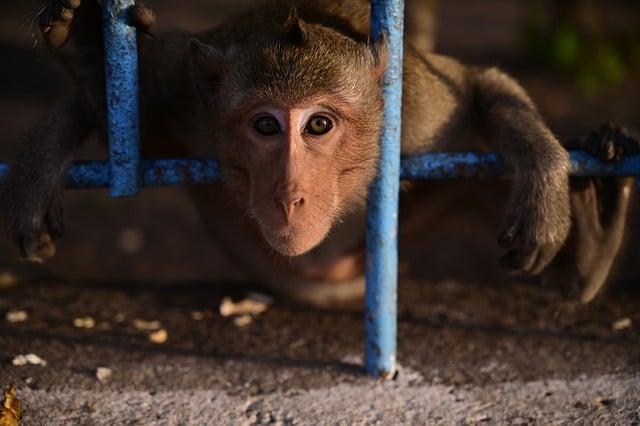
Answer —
293 240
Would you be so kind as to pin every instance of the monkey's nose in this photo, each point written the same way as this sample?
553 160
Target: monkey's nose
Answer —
289 204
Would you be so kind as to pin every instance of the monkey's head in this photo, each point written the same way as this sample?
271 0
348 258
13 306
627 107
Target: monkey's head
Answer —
295 118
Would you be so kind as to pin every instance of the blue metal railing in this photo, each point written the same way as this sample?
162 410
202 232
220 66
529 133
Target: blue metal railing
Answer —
125 172
123 111
381 267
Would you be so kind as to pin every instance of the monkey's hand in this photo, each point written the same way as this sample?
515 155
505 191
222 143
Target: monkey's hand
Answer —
31 209
538 218
78 23
610 143
31 197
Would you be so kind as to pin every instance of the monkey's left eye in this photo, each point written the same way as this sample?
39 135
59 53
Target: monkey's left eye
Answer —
319 125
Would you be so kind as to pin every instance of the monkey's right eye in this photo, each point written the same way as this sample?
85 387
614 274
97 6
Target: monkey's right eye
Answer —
266 126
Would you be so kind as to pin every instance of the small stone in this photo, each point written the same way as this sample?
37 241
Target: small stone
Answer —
32 359
159 336
478 418
603 402
622 324
200 315
17 316
7 279
146 325
84 322
243 320
120 317
103 374
131 240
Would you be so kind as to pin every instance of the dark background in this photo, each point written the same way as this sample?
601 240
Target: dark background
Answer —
550 49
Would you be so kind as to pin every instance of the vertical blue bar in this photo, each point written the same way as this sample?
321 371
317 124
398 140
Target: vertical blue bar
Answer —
387 16
123 116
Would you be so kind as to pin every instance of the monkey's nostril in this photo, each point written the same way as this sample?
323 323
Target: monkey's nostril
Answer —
288 204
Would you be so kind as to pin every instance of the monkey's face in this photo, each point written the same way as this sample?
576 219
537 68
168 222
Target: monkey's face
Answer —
296 132
300 168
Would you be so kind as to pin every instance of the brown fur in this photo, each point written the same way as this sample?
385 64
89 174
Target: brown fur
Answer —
198 90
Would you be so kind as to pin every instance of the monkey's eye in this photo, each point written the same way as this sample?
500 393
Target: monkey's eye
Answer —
266 126
319 125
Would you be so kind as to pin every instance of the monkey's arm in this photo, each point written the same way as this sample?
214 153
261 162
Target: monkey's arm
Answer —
31 198
538 215
446 103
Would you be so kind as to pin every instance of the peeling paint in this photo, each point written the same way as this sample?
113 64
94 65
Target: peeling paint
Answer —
382 213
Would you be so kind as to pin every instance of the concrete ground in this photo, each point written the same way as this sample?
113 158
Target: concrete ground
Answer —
513 354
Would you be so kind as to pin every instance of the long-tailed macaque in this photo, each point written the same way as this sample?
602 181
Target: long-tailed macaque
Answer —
288 100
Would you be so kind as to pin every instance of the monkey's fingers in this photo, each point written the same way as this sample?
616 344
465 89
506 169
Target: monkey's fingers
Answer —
531 261
610 143
518 260
143 18
37 248
54 222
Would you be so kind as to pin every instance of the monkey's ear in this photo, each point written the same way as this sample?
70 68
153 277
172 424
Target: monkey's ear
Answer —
295 30
380 53
207 60
207 66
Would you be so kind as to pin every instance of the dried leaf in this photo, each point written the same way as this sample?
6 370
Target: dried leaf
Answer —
146 325
84 322
11 408
31 359
17 316
254 304
621 324
103 374
159 336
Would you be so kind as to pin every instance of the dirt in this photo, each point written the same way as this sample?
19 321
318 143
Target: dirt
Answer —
507 352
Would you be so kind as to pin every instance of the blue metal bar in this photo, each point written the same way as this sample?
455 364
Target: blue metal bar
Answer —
484 165
185 171
123 116
381 273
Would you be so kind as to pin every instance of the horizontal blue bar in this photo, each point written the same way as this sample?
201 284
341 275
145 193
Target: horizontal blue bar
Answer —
159 172
484 165
185 171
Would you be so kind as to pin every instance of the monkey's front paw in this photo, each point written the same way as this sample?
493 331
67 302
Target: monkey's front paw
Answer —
534 238
33 221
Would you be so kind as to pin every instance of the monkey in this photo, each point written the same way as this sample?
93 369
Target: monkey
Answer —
289 103
421 24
